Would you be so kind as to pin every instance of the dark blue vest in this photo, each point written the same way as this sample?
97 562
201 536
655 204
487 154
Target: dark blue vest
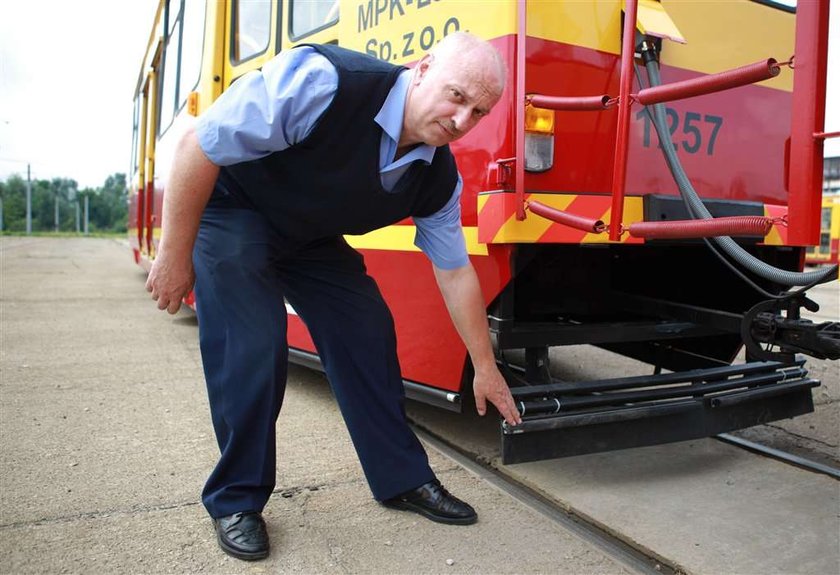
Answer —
329 183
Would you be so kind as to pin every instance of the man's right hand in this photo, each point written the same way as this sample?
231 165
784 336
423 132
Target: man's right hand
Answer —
170 280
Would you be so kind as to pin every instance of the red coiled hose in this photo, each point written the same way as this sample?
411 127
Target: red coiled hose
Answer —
742 76
582 103
565 218
681 229
675 229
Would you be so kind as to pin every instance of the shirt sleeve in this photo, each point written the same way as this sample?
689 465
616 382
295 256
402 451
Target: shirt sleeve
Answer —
441 237
268 110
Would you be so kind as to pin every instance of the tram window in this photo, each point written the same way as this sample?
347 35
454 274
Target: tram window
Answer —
309 16
825 242
831 168
135 134
786 5
191 49
252 28
174 7
826 218
170 81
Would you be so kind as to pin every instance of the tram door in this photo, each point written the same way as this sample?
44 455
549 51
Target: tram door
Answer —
146 163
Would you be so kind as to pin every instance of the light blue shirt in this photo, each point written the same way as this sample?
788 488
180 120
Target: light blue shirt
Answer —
270 110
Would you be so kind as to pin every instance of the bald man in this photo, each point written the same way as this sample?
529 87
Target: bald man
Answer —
262 190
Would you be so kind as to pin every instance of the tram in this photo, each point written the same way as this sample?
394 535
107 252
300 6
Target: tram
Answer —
828 249
666 223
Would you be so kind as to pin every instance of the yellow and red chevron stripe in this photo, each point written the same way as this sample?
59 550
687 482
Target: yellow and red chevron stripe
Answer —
497 223
778 235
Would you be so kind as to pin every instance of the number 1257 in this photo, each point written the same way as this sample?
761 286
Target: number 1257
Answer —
693 135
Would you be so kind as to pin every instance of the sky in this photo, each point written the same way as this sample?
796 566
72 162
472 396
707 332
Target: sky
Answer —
68 70
67 75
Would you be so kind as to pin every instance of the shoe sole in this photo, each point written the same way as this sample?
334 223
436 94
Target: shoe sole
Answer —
405 506
239 554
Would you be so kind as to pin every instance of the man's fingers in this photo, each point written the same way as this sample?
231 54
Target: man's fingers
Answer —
513 417
168 283
516 418
507 408
495 390
480 404
503 401
174 306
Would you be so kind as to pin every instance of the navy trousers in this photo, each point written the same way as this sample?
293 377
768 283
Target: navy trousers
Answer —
244 270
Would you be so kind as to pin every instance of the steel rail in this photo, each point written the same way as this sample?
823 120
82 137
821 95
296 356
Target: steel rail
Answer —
630 557
780 455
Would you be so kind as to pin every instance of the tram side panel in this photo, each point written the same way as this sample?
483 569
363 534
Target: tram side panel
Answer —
732 144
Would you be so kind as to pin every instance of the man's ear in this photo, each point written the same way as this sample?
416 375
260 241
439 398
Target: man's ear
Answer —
423 67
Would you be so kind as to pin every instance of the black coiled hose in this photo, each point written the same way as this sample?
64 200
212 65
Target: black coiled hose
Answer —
698 211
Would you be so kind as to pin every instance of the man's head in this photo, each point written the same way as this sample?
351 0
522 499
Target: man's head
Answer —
452 88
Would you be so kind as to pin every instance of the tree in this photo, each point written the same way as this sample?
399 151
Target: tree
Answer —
13 192
108 206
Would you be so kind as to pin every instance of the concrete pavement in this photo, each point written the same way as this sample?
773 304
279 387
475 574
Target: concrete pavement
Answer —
105 442
704 506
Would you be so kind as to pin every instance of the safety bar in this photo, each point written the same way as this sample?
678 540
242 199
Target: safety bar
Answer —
826 135
695 376
519 166
622 138
652 411
807 120
558 404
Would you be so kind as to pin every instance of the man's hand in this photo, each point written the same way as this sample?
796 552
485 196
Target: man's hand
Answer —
171 279
491 386
463 298
190 185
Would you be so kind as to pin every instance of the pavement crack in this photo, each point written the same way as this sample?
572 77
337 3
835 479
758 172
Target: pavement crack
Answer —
98 514
298 489
800 436
292 490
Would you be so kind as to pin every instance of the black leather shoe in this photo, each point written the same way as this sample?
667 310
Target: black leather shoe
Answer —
433 501
243 535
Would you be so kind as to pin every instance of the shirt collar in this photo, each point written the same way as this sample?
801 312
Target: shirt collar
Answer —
390 117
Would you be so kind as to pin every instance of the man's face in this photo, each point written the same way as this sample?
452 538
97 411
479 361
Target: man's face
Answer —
449 98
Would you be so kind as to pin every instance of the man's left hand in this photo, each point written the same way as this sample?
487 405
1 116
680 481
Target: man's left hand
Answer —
491 386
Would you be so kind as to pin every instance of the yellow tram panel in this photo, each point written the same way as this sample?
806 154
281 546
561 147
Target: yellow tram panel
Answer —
401 32
597 26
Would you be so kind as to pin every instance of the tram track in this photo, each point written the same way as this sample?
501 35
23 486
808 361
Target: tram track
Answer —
779 455
624 553
629 554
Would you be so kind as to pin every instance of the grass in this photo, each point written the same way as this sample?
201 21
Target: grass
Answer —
42 234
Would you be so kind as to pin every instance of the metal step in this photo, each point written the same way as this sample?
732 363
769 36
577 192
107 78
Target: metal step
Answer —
562 419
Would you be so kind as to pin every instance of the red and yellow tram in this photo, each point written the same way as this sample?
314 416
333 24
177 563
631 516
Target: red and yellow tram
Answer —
828 249
748 151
